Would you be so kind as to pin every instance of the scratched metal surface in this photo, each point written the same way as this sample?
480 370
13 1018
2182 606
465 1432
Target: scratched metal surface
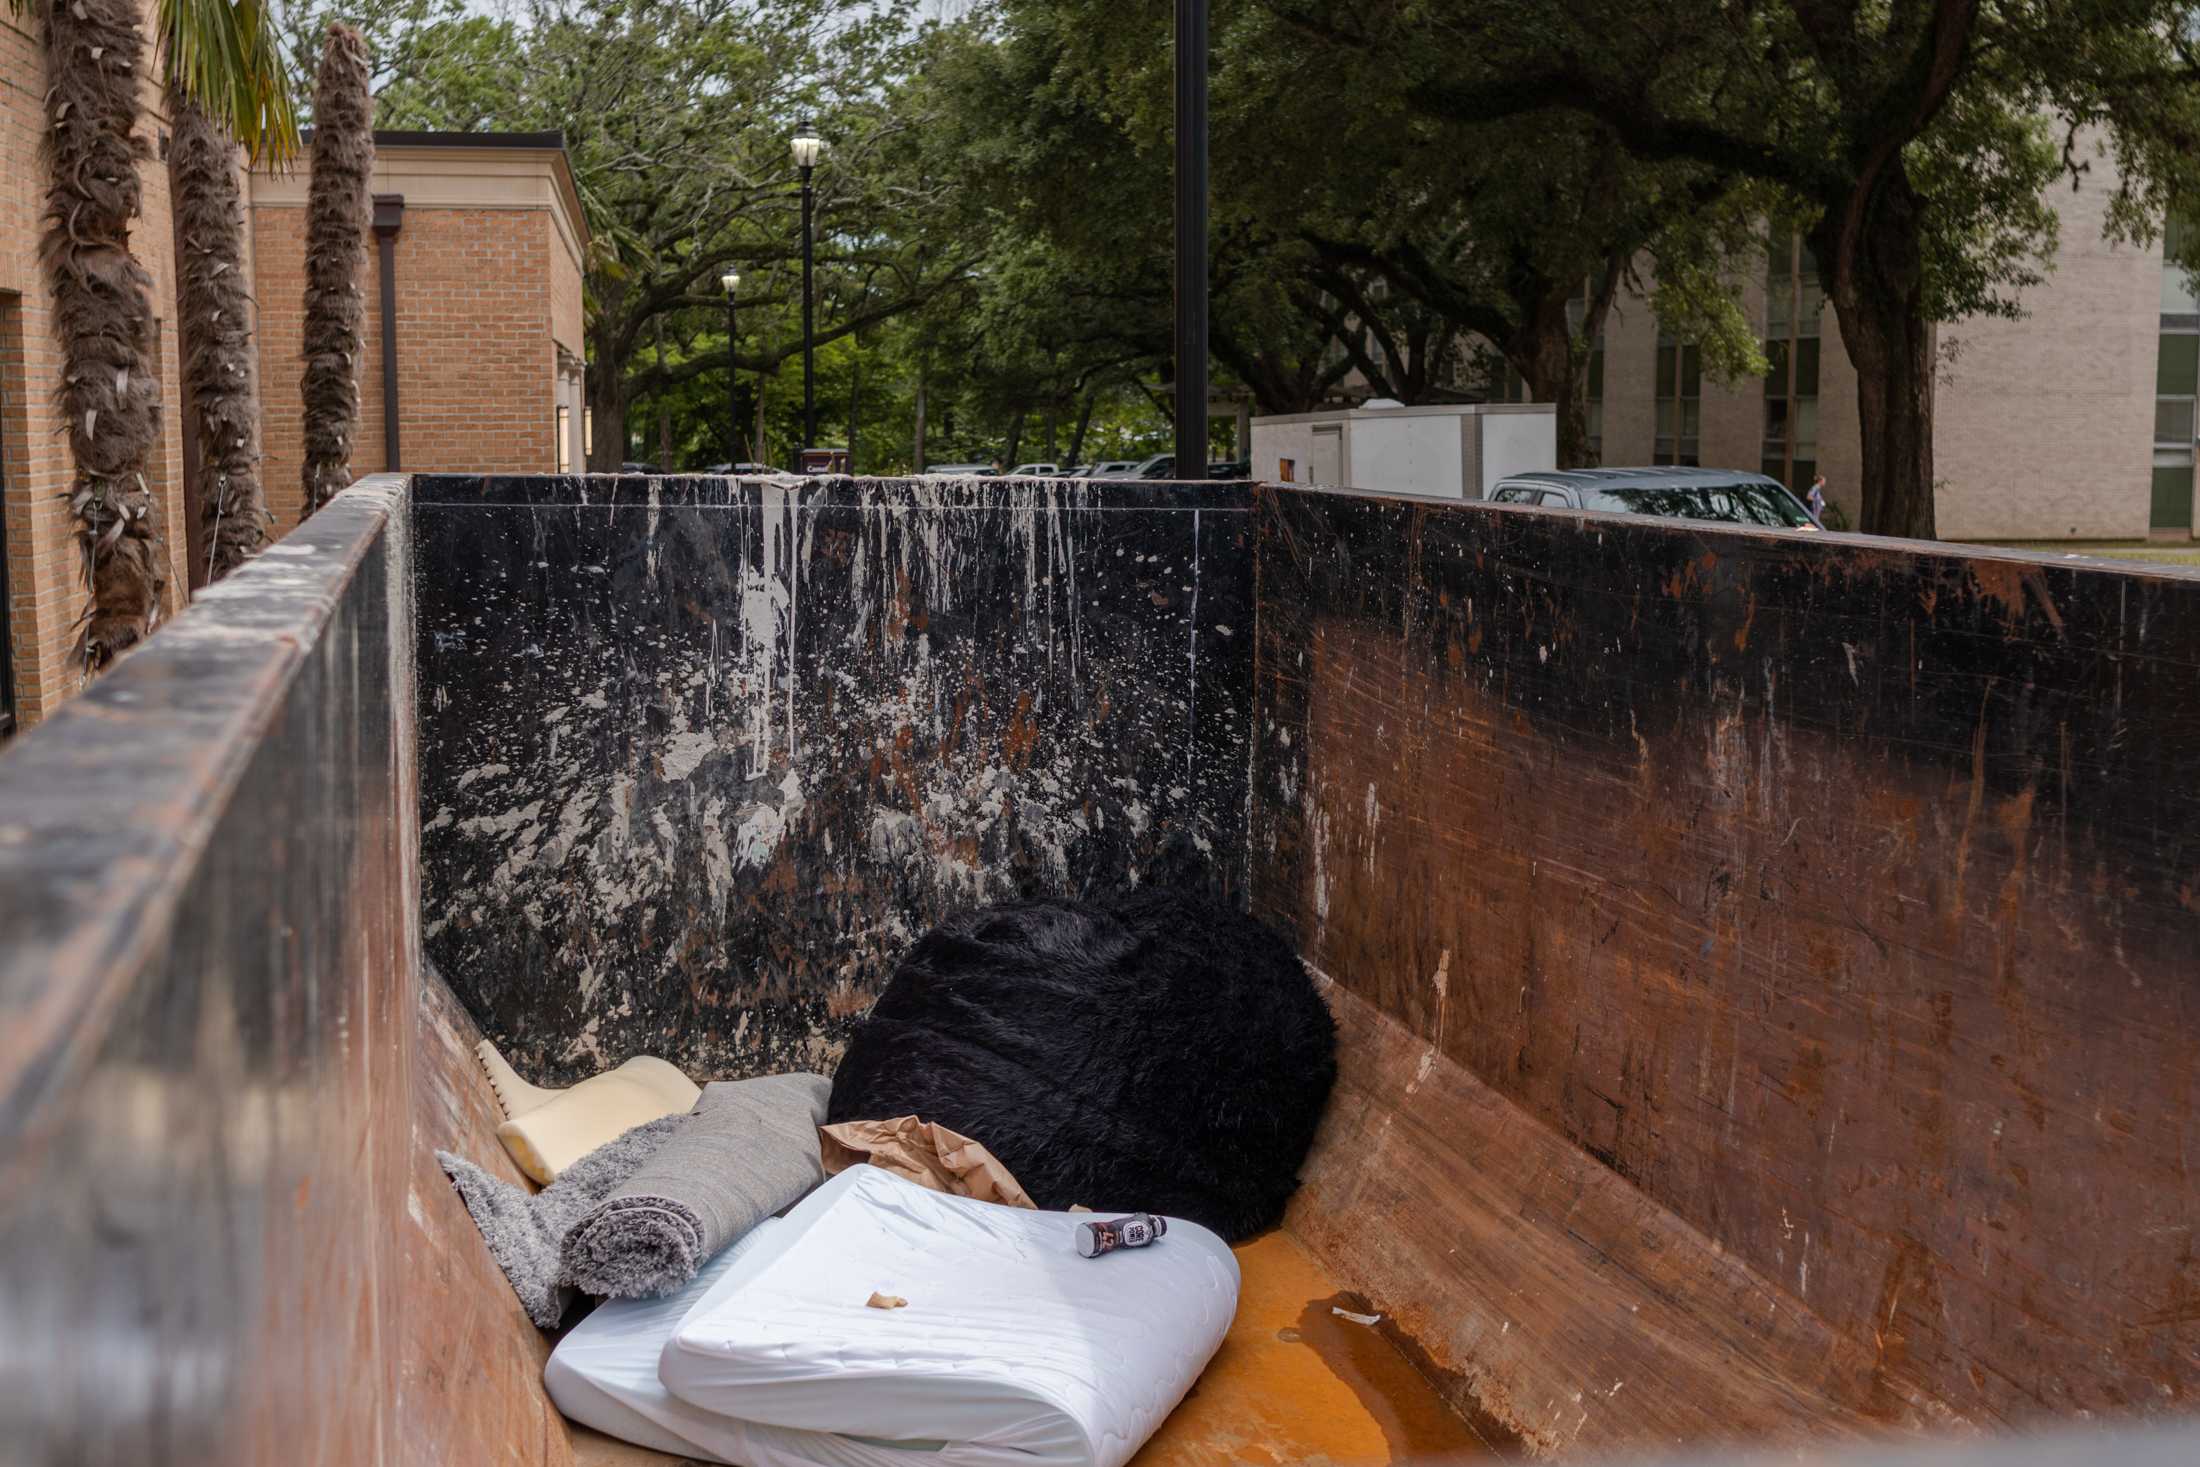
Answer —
701 757
206 1003
1842 896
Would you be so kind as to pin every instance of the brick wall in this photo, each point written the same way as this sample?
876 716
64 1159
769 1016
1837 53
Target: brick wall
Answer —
2045 425
41 565
278 293
45 591
477 369
1630 379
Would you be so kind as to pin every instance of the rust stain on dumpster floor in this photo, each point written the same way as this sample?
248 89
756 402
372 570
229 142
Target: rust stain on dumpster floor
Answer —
1293 1383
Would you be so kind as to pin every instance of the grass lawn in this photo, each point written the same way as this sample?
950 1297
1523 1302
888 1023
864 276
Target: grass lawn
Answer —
2160 552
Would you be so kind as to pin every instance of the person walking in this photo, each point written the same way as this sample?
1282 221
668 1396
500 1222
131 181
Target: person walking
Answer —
1816 501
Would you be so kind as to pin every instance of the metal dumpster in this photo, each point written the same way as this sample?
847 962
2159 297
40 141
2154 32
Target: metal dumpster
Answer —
1767 966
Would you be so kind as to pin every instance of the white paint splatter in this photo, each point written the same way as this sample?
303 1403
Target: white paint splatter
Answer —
683 752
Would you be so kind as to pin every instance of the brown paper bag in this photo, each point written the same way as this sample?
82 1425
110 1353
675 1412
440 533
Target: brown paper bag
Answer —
929 1155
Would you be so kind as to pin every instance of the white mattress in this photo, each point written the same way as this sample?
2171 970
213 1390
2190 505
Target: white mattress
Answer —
1013 1351
604 1374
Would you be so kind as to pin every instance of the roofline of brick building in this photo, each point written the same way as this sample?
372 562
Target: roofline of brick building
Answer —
386 139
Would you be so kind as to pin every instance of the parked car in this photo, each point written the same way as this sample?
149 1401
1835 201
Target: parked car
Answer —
1230 469
639 469
1114 468
1160 466
742 470
959 471
1035 471
1725 495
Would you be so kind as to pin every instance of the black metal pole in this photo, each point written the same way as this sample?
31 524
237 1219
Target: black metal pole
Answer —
733 390
389 218
809 327
1191 239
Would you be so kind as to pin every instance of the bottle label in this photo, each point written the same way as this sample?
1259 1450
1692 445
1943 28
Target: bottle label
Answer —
1135 1231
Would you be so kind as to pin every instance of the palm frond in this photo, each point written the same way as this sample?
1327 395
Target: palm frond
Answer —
226 56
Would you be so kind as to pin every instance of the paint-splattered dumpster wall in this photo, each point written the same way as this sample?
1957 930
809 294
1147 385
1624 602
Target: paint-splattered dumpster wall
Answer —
1842 896
701 756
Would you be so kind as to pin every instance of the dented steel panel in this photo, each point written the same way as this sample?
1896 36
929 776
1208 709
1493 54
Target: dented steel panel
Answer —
701 757
1841 895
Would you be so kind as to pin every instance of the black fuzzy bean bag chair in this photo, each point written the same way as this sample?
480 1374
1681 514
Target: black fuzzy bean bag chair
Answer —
1162 1054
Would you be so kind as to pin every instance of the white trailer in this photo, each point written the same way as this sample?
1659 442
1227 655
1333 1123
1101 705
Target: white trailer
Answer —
1449 452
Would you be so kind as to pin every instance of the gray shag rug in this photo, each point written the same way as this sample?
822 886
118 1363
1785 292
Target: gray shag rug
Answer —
525 1230
641 1215
748 1150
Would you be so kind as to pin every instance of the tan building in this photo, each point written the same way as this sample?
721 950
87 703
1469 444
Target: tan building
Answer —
483 241
2045 427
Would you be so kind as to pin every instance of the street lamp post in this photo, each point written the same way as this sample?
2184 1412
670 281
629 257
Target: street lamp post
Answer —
732 282
1191 239
807 146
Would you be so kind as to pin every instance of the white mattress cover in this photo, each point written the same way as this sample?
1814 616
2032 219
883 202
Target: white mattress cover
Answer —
1011 1345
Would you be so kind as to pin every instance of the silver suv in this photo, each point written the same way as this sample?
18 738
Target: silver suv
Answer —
1676 493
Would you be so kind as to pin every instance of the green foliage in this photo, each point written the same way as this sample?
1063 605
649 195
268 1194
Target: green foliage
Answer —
226 55
1989 231
1697 301
1404 190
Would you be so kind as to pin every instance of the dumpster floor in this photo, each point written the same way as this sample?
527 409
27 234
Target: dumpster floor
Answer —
1294 1382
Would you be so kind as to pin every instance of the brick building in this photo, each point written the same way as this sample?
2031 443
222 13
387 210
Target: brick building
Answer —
40 593
484 241
2075 422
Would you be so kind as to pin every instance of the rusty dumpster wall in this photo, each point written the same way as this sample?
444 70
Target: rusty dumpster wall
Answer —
207 991
1842 897
701 756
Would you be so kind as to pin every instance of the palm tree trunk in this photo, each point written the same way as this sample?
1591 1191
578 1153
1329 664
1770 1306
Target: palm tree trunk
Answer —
338 215
213 310
102 315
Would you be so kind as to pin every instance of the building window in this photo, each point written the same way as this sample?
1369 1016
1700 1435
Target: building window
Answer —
1680 403
1795 303
588 431
2180 297
2176 389
565 440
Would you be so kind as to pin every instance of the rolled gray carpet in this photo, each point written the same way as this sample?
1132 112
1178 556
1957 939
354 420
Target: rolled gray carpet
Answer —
748 1150
525 1229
